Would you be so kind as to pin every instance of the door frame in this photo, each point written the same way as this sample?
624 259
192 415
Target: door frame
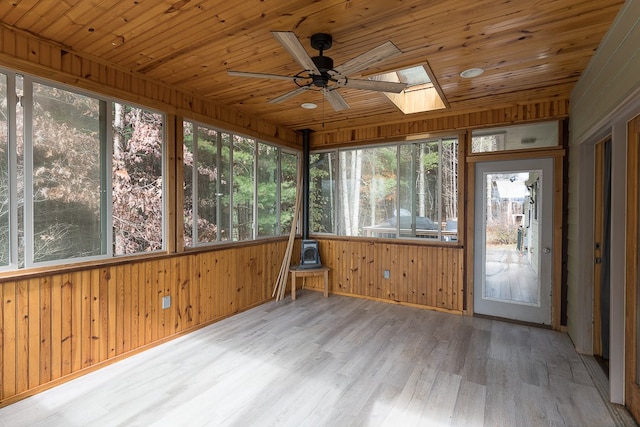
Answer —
558 222
632 307
598 232
539 313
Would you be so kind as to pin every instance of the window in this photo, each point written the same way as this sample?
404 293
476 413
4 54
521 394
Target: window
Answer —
243 187
368 188
236 188
65 180
288 181
405 190
137 183
267 179
5 187
322 192
422 92
206 187
72 187
520 137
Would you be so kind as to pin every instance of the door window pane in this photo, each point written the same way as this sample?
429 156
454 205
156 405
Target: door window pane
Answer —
512 238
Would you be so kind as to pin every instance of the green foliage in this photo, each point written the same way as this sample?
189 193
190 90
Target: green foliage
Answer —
218 182
322 192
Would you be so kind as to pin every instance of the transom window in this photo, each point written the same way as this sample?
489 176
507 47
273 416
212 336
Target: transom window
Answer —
517 137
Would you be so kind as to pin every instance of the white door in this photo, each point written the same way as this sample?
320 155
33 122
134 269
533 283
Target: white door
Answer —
513 239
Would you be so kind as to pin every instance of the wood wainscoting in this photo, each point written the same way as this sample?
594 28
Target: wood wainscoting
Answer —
59 325
431 276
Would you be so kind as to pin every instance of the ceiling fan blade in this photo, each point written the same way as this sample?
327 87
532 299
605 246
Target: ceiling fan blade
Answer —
367 59
376 85
288 95
290 42
335 99
260 75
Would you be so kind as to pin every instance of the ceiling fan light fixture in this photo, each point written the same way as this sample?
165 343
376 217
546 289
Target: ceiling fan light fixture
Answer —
309 105
471 72
319 74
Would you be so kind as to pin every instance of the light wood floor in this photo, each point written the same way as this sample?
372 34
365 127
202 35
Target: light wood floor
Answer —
337 361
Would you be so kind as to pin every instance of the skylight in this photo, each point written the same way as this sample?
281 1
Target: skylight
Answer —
421 93
414 76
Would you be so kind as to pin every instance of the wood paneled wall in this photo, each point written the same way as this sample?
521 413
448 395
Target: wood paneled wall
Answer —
430 276
56 326
21 51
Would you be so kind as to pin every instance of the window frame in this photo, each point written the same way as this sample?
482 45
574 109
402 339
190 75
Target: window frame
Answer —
12 160
163 172
195 244
502 146
413 142
105 164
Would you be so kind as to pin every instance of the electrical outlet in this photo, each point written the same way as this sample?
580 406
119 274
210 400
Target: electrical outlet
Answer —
387 274
166 302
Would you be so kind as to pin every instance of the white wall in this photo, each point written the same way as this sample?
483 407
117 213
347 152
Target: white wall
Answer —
604 99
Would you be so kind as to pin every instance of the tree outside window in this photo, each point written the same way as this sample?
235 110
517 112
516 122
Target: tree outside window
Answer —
236 188
71 187
405 190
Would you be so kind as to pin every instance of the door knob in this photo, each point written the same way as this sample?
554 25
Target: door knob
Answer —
546 250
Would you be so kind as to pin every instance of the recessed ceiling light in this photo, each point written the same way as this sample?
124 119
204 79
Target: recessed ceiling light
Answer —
309 105
471 72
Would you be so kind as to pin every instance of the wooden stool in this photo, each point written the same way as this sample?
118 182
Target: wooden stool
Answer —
296 272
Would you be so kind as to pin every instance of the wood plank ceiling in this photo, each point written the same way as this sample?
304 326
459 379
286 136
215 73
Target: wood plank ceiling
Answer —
530 50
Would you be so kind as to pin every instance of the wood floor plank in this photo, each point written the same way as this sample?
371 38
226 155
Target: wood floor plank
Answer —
335 361
470 404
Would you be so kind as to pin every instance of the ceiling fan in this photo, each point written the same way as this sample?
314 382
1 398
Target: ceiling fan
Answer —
319 73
